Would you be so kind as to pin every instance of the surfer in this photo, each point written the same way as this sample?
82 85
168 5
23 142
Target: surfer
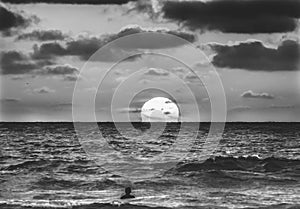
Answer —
127 193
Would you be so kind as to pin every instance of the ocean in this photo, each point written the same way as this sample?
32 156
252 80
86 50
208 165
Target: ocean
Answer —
254 165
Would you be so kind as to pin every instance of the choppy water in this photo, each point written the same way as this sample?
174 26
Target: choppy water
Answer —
256 165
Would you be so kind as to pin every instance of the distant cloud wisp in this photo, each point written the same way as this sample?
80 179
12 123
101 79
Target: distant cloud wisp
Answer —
251 94
44 90
156 72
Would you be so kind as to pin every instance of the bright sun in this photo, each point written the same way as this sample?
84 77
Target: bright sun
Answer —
160 109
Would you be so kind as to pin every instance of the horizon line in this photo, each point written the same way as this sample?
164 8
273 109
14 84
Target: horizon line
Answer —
149 122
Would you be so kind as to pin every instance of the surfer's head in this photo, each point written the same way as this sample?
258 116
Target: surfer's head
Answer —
127 190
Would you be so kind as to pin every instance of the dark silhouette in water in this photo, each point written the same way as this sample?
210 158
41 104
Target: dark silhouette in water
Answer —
127 194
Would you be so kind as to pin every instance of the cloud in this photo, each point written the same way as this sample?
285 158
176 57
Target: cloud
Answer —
235 16
156 72
10 100
257 57
44 90
146 7
48 51
18 64
129 110
42 35
68 72
72 77
283 106
153 41
251 94
245 108
84 47
60 70
119 2
12 21
14 62
132 29
192 78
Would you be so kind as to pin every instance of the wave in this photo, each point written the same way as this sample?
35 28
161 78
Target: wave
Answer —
256 164
277 206
50 183
69 166
120 205
89 206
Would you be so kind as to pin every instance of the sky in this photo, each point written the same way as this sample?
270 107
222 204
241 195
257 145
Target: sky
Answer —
233 60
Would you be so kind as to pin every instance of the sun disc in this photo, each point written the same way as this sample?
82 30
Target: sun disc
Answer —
160 109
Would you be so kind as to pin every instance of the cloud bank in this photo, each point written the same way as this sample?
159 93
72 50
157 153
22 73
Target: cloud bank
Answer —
235 16
15 62
84 47
11 20
42 35
257 57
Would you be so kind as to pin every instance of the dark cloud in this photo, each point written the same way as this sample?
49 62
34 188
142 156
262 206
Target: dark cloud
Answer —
84 47
11 20
60 70
48 51
43 35
10 100
251 94
157 72
68 72
129 30
14 62
257 57
150 39
236 16
68 1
